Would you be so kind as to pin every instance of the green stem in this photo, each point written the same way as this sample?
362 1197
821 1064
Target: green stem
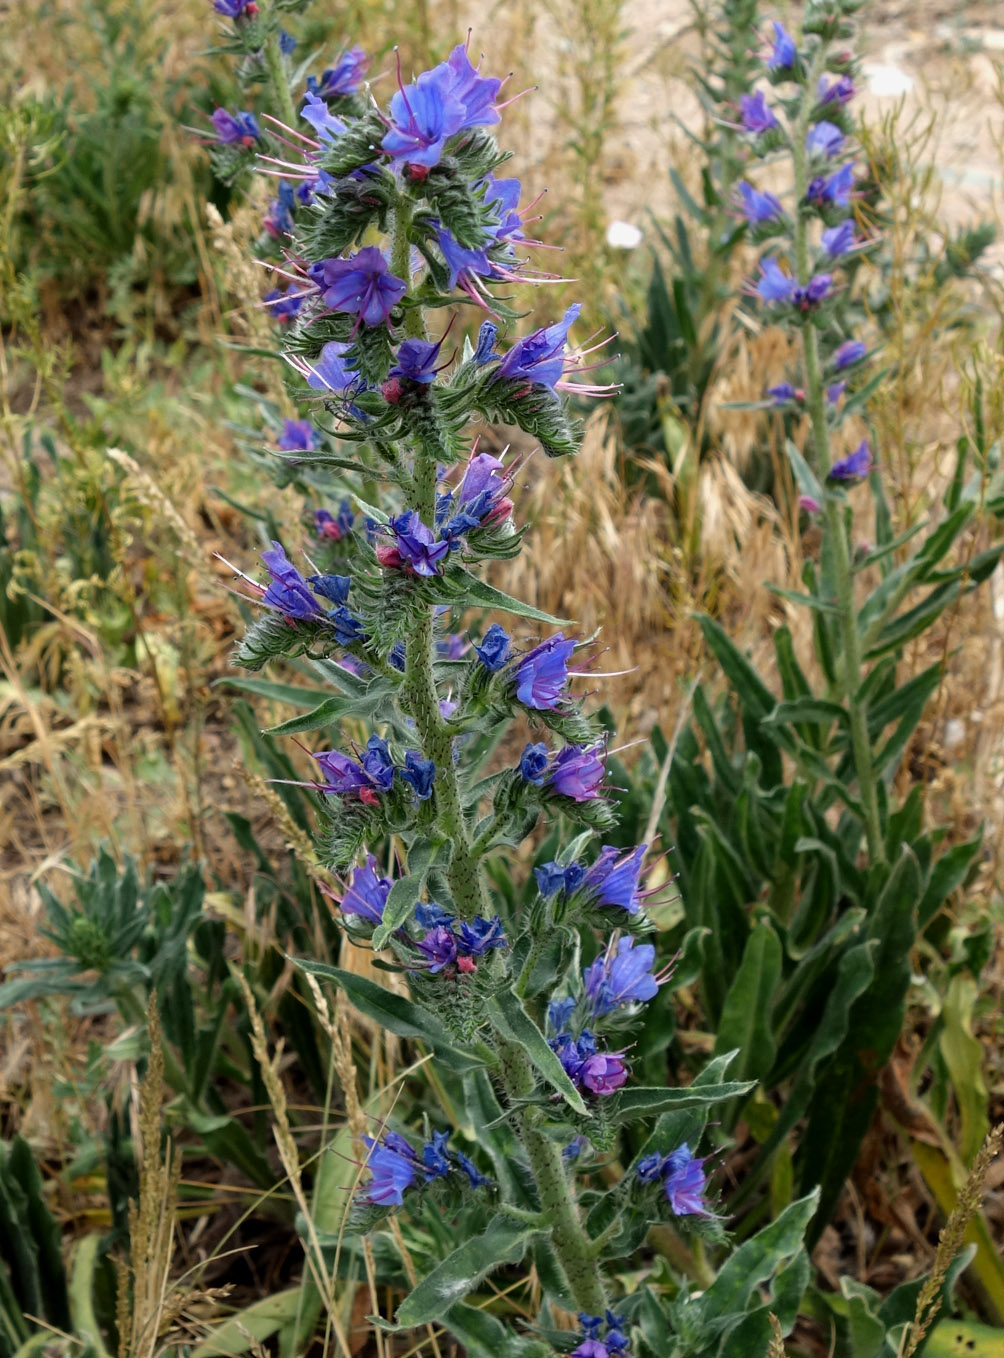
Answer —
533 957
836 528
282 100
571 1243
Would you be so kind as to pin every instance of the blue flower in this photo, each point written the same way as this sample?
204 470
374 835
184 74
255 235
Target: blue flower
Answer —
297 436
539 358
841 91
476 93
755 113
837 240
416 544
333 587
783 54
331 371
439 947
424 115
343 776
485 351
393 1169
494 649
613 878
416 360
279 218
434 1158
784 393
428 914
474 1175
849 353
533 763
550 879
832 190
235 9
348 628
288 591
854 467
316 112
284 305
577 773
326 525
824 139
367 892
360 285
775 285
234 129
624 977
420 773
344 78
685 1181
377 763
574 1149
559 1012
758 207
539 679
287 43
649 1168
477 936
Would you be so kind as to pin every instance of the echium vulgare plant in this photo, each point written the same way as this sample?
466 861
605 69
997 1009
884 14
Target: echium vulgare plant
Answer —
524 995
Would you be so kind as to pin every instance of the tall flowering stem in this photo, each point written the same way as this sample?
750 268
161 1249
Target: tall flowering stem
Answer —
386 222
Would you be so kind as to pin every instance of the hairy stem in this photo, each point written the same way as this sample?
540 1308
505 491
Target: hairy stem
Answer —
568 1236
282 100
836 528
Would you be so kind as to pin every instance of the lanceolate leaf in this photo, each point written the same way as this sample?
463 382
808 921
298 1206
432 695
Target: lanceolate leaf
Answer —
638 1102
480 592
746 1021
504 1242
405 892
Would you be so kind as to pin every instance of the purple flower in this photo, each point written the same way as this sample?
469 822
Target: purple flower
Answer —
649 1167
533 763
613 878
416 360
424 116
234 129
841 91
494 649
849 353
539 358
428 914
784 393
334 529
481 478
540 677
624 977
775 285
344 78
420 773
824 139
685 1182
331 372
591 1348
559 1012
285 305
297 436
287 43
325 124
577 773
474 1175
476 93
439 947
834 392
344 776
783 54
417 545
393 1168
574 1149
288 591
837 240
360 285
758 207
755 112
854 467
235 9
810 505
550 879
367 893
603 1072
832 190
478 935
815 291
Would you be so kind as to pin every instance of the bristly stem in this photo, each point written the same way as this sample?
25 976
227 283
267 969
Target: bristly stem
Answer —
836 528
278 81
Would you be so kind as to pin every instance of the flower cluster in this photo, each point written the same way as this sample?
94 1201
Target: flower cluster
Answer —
682 1177
374 772
604 1337
815 132
395 1166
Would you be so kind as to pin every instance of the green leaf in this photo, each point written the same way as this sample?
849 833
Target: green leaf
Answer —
745 1024
480 592
248 1328
805 478
325 714
812 711
504 1242
282 693
754 695
947 875
398 1015
639 1102
513 1022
